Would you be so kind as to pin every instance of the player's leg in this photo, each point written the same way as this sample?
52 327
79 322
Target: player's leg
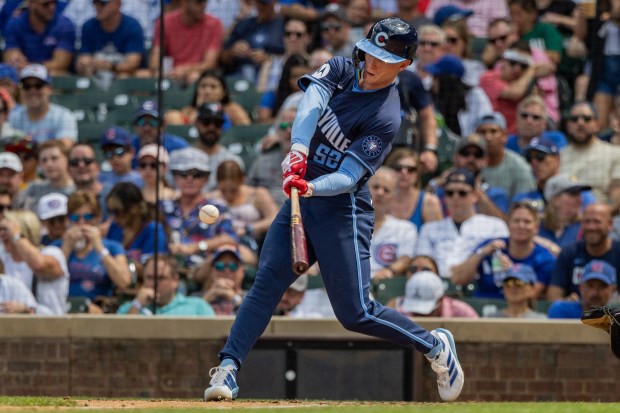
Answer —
273 277
343 256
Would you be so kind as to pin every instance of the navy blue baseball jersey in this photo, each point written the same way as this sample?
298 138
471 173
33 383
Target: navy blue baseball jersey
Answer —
362 128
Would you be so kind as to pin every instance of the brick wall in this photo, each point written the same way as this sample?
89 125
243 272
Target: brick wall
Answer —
137 357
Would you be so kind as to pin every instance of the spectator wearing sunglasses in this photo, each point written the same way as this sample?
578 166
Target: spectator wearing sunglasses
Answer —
586 157
501 35
336 31
53 163
38 117
40 35
52 212
98 266
451 240
209 123
518 286
147 124
84 170
532 122
118 150
27 150
147 168
459 44
223 280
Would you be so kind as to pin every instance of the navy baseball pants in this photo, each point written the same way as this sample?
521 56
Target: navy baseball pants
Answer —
338 231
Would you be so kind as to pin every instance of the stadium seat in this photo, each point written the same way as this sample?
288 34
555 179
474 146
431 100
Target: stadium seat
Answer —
71 84
77 305
188 132
485 306
315 281
240 140
385 290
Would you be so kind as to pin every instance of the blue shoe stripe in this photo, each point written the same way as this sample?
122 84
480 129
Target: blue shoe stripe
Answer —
453 377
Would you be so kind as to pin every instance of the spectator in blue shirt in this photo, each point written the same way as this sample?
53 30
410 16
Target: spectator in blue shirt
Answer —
111 42
40 35
118 150
596 288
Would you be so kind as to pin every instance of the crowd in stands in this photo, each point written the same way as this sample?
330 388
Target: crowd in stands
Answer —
500 198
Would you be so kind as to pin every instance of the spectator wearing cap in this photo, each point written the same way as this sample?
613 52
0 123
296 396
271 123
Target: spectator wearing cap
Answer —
471 154
596 288
562 219
84 170
193 41
501 35
479 13
209 123
543 155
409 11
27 150
148 164
40 35
425 297
460 105
52 212
292 297
505 168
587 157
12 177
111 42
38 117
53 163
191 239
519 293
168 301
451 240
336 31
532 122
508 83
223 279
117 148
146 125
252 39
595 244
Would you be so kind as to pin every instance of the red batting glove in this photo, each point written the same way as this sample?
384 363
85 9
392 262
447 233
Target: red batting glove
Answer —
293 181
295 163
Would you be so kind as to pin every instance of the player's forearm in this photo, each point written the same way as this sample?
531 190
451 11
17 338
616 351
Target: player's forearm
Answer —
343 180
311 106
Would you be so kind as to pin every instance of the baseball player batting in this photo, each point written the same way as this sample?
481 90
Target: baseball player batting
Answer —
343 131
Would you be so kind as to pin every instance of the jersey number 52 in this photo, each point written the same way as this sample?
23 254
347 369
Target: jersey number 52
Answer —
327 156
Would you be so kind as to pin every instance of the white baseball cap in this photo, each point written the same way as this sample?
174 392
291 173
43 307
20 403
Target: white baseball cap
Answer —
52 205
423 291
37 71
11 161
189 158
151 150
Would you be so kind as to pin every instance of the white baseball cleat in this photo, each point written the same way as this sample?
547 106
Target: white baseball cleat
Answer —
450 375
223 384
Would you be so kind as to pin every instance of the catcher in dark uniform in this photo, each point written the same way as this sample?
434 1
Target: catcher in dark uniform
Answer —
607 319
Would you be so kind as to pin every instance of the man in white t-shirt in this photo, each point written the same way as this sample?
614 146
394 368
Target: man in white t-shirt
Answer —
450 241
393 240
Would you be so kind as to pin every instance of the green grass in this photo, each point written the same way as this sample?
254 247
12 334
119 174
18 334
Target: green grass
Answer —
39 404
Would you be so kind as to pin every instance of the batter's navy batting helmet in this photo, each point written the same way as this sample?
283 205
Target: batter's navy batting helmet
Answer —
390 40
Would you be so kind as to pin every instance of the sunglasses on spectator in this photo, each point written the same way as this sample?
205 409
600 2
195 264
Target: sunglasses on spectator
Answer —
409 168
513 282
325 27
35 85
78 217
100 3
461 193
78 161
148 121
147 165
513 64
111 153
525 115
48 3
498 39
209 121
5 207
298 35
452 40
539 156
475 154
221 266
193 174
575 118
417 268
428 43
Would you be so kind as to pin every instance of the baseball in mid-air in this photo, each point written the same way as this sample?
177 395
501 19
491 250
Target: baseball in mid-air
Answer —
209 214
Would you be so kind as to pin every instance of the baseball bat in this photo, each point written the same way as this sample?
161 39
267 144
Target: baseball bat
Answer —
299 250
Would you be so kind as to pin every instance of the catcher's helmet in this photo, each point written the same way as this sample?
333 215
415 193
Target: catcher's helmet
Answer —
390 40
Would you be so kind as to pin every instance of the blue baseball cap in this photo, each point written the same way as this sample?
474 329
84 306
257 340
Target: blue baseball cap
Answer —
450 12
8 72
542 144
115 136
521 272
147 108
494 118
461 176
599 270
447 65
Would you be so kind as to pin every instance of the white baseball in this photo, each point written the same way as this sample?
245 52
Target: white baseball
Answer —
209 214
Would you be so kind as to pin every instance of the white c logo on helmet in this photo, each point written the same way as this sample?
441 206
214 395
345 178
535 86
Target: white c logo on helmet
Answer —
381 38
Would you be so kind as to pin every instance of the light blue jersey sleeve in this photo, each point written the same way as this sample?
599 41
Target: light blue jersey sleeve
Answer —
311 107
346 177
